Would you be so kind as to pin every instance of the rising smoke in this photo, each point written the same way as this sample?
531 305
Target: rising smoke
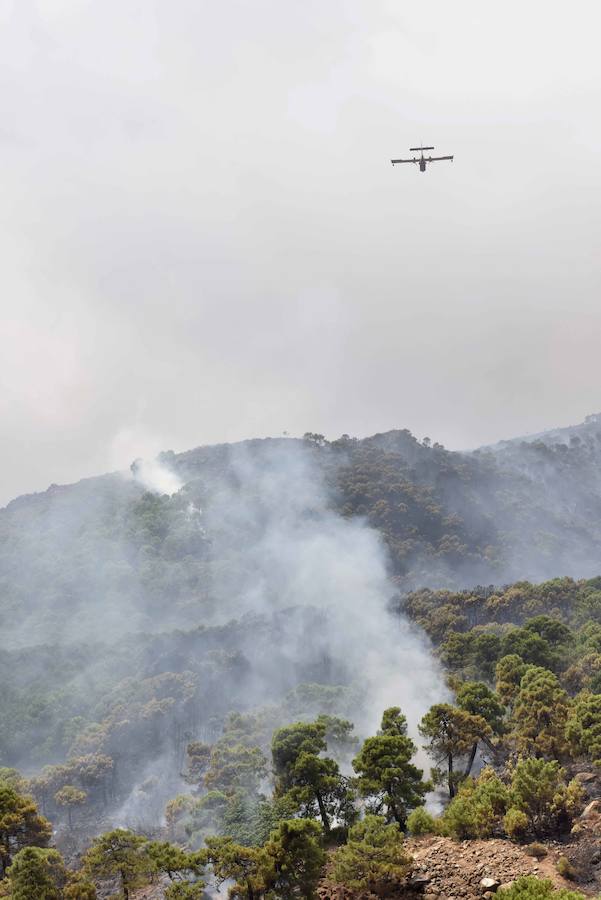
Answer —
316 582
288 548
155 477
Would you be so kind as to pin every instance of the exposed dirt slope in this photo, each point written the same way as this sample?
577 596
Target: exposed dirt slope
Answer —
448 870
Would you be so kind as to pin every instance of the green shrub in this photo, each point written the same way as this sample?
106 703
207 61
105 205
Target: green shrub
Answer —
530 888
421 822
374 856
566 869
182 890
539 789
516 824
464 819
477 807
536 849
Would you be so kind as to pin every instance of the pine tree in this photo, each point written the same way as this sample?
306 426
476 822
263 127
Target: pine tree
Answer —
37 873
540 715
451 734
20 825
121 854
386 774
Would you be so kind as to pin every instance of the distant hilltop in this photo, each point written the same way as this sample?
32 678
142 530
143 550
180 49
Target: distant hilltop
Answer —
562 435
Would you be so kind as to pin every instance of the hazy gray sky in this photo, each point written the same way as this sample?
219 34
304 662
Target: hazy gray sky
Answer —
203 239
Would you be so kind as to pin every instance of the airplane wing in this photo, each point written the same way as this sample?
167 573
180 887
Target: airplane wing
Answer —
437 158
395 161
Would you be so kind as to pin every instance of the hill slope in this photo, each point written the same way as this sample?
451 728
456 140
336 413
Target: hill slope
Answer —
530 509
135 621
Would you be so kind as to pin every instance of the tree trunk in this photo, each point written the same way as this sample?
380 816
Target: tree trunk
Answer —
451 781
124 885
470 761
399 818
322 812
489 745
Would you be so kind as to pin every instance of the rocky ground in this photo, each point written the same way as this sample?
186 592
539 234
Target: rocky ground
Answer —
468 869
448 870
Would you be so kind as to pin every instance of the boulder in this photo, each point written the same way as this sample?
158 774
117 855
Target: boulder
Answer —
593 809
418 881
585 777
489 884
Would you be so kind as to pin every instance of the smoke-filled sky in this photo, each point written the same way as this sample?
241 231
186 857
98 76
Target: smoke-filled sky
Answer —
202 237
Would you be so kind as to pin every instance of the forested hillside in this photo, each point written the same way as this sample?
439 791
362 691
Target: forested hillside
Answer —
193 663
530 509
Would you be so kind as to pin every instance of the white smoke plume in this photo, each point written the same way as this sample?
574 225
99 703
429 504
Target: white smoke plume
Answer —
147 469
293 550
156 477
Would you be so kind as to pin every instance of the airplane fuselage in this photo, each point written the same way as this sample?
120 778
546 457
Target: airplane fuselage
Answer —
422 164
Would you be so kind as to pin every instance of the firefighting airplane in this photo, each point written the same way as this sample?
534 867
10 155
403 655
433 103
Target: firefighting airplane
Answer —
421 160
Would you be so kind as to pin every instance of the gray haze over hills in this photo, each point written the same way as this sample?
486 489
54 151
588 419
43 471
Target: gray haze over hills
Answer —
171 541
267 573
203 238
562 435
